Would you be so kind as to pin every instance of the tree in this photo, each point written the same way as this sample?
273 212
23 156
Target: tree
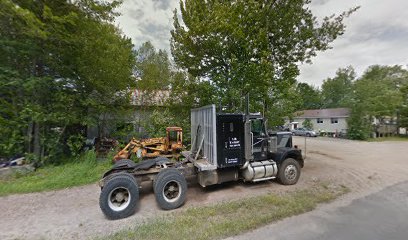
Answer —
403 111
378 93
311 97
63 64
307 124
378 90
338 91
249 46
359 124
153 68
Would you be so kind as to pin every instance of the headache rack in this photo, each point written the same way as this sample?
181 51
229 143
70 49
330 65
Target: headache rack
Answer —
204 138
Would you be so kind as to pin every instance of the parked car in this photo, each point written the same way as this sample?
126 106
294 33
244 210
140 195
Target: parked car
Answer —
304 132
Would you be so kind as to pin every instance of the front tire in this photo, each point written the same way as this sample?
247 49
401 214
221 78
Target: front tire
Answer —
119 196
289 172
170 188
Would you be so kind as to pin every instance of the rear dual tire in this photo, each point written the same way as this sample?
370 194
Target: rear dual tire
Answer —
119 196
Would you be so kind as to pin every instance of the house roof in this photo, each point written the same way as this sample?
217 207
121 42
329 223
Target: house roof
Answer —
323 113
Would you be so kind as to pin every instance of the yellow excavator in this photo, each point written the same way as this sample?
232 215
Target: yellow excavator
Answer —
169 146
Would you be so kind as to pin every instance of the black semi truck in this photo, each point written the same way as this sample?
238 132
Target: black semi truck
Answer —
225 147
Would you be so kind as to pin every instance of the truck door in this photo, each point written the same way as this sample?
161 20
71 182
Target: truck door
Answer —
230 140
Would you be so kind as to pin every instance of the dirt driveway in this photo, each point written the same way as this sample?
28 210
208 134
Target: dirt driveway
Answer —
74 213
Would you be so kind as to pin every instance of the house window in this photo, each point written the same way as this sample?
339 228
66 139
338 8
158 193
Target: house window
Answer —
334 120
319 120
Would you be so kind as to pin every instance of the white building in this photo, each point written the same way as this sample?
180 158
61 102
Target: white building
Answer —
330 120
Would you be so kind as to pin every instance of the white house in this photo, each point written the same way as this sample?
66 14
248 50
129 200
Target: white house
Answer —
330 120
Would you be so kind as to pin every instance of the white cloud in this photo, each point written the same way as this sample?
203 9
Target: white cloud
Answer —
148 20
376 34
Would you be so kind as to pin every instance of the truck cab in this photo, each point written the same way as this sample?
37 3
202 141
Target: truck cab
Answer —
242 138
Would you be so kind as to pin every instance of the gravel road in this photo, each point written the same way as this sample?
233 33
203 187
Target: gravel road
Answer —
365 167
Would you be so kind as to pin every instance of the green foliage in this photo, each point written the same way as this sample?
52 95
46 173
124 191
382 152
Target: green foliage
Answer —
285 103
63 65
359 124
157 122
378 90
164 100
403 111
75 144
124 132
310 97
379 93
79 171
231 48
152 68
307 124
338 91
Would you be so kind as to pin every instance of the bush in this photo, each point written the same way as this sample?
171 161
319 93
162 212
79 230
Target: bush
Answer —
359 125
307 124
157 122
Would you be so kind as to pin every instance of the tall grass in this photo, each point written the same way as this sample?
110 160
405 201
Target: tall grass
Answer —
84 170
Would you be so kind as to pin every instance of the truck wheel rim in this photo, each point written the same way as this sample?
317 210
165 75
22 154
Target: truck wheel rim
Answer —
290 172
119 199
171 191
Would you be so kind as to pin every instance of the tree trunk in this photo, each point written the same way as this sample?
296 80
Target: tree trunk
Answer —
29 137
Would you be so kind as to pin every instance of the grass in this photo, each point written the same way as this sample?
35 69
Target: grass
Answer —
394 138
231 218
83 171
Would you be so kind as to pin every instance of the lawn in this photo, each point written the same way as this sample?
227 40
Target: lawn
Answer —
81 171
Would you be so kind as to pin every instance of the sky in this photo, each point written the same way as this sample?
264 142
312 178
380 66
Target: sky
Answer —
376 34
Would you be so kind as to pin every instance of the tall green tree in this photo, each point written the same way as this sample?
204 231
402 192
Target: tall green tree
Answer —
251 47
338 91
378 93
166 94
63 64
153 68
403 110
153 76
359 124
378 90
310 96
